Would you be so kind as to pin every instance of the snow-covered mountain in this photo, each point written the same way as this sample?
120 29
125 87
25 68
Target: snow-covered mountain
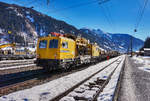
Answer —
115 41
26 24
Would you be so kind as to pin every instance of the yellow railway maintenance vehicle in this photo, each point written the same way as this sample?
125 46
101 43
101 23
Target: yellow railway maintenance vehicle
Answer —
95 53
63 51
55 51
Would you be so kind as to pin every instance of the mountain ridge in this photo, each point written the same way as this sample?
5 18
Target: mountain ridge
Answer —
109 40
27 24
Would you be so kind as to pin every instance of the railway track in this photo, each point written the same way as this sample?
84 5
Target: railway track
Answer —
15 66
13 82
22 80
10 63
90 88
31 79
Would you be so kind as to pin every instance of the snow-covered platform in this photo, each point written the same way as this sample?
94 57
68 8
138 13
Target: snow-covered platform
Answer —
50 90
135 84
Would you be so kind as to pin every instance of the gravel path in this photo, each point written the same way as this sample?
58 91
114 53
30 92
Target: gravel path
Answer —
135 84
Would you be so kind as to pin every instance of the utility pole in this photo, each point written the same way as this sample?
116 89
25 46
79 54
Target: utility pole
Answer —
128 49
131 45
135 30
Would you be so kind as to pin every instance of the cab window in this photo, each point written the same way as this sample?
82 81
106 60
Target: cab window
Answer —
53 43
97 49
64 44
43 44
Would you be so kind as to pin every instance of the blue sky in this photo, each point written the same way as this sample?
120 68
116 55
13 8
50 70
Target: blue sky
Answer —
115 16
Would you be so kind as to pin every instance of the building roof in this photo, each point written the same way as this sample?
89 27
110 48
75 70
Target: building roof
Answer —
146 49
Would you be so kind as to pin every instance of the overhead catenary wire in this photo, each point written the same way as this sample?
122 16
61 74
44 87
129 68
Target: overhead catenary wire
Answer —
107 15
77 5
73 6
70 7
138 2
140 14
58 13
62 15
80 5
138 20
50 1
30 3
110 17
26 4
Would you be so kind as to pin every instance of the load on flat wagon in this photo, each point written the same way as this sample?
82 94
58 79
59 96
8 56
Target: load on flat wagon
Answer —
64 51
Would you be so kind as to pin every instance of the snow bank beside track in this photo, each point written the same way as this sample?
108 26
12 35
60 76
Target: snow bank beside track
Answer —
144 61
109 91
89 89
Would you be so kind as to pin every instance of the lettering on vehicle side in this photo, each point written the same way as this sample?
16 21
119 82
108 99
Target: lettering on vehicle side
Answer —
64 51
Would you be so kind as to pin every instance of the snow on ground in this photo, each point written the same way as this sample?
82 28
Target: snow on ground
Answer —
12 61
138 60
3 41
10 8
146 57
27 12
19 14
147 69
16 11
107 47
145 61
20 66
102 49
108 92
84 91
30 18
121 47
7 48
49 90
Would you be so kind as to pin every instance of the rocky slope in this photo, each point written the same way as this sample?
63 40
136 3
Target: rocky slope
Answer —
27 24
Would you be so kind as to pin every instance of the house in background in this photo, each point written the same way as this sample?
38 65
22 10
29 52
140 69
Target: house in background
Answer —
146 51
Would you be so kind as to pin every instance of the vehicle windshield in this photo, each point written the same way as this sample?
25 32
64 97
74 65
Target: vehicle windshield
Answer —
53 43
43 44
